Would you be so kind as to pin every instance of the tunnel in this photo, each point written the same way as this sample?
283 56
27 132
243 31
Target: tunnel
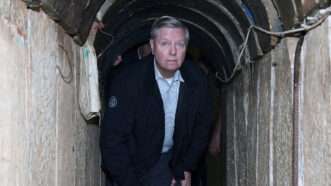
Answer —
270 60
218 29
221 31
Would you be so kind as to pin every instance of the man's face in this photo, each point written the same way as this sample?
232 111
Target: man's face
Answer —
169 49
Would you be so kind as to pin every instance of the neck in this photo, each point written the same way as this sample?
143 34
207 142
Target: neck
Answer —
167 75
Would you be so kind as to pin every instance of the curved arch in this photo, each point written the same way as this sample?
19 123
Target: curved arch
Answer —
219 27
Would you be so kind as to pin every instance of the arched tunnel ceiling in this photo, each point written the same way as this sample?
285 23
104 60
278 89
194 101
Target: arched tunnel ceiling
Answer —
77 16
218 28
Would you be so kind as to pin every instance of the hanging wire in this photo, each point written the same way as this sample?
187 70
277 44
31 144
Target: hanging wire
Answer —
106 33
304 28
237 67
66 78
109 44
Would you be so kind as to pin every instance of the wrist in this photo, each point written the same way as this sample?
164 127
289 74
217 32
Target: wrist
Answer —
187 174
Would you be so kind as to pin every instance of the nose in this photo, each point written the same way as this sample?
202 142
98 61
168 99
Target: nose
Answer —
173 50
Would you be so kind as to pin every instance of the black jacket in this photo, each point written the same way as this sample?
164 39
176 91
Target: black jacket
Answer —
132 130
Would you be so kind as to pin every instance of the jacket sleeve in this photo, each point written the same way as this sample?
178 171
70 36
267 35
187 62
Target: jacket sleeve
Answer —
201 130
116 130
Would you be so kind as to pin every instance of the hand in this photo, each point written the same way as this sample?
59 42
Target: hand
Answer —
118 60
185 182
97 25
215 146
215 142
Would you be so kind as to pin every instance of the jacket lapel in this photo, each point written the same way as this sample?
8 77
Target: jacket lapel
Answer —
154 105
185 98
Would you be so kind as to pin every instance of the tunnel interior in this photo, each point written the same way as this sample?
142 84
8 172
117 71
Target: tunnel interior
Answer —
218 30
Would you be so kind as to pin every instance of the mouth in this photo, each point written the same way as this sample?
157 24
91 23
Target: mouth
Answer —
172 61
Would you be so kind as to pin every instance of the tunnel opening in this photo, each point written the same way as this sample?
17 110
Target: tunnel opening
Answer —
217 28
217 33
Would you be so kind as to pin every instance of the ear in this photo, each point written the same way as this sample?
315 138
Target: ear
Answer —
151 43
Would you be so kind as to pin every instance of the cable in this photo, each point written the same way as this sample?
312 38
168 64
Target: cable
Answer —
106 33
108 46
68 78
238 64
293 32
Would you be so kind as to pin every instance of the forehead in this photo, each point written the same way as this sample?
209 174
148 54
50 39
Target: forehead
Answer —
170 33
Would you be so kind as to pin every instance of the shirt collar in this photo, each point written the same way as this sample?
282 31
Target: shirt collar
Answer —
177 76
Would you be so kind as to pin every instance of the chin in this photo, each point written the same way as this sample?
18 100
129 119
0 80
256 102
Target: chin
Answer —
173 68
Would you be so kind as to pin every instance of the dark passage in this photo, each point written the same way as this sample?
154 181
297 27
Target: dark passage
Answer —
217 30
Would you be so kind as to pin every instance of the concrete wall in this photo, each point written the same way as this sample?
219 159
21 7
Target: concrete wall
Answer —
278 126
259 122
314 118
44 140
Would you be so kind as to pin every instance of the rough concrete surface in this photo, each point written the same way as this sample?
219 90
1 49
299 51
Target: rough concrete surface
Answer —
259 128
43 139
261 132
315 107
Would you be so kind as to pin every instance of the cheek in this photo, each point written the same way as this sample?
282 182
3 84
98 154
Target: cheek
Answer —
160 57
182 54
161 53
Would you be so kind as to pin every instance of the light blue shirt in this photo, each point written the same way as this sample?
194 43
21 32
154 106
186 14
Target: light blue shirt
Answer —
169 89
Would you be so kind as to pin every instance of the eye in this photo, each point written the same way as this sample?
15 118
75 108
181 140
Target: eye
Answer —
164 43
181 44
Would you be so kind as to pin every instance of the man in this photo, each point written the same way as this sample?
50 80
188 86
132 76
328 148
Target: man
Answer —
157 123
